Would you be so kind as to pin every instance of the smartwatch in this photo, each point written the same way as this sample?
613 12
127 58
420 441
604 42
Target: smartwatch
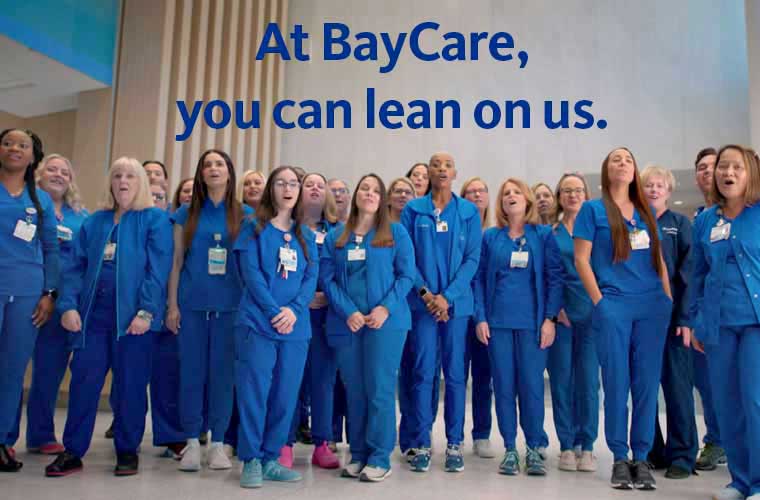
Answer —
423 291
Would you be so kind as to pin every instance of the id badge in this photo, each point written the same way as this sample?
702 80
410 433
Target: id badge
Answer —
719 233
25 230
639 240
519 260
109 252
320 237
441 226
217 261
64 233
355 254
288 259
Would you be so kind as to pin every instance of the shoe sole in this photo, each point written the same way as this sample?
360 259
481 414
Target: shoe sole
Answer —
587 469
509 472
420 469
279 480
251 485
454 469
218 467
190 469
568 468
344 473
63 474
131 472
622 486
645 487
367 479
536 473
706 467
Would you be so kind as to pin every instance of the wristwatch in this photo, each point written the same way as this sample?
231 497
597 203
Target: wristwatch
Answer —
553 319
143 314
423 291
51 292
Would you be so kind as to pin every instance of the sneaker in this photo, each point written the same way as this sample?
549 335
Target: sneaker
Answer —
63 465
52 448
217 459
409 454
251 476
126 464
174 450
191 458
542 452
510 464
109 431
483 448
421 460
621 476
352 470
324 458
286 456
710 457
333 446
587 462
229 450
578 450
642 477
274 471
454 458
728 493
534 463
374 474
568 461
8 462
303 435
677 472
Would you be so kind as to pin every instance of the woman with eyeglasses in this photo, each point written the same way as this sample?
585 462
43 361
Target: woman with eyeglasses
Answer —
278 263
726 306
400 191
619 261
572 364
546 203
342 196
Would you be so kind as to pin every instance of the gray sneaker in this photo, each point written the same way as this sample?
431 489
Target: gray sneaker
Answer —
534 463
483 448
710 457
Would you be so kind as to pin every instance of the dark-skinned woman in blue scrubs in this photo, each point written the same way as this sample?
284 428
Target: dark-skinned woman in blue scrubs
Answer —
29 264
726 307
619 261
518 294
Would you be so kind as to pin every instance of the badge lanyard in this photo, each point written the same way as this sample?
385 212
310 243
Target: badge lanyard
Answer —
288 258
638 238
721 230
357 253
26 229
320 235
441 226
217 257
519 259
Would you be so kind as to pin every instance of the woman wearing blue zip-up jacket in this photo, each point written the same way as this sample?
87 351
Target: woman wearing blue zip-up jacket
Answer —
367 269
29 267
277 258
726 306
204 295
115 293
518 294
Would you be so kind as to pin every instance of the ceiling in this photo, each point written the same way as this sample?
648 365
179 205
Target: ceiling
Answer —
32 84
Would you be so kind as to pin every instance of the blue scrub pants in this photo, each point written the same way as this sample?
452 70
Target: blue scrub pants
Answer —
17 338
574 380
340 409
734 372
369 368
268 375
517 366
681 444
702 383
630 333
231 435
479 366
164 390
322 375
429 337
206 349
129 359
405 403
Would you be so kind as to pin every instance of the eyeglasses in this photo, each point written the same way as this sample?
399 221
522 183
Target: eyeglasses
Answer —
404 192
569 191
339 191
473 192
282 184
159 197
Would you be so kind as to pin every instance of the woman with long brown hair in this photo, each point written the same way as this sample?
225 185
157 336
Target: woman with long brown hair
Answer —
619 261
546 203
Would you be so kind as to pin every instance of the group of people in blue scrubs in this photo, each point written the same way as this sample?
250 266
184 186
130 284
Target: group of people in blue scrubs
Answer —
233 298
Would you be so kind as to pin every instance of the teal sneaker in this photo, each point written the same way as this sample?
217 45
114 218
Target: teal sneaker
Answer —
534 463
454 458
510 464
251 476
421 460
274 471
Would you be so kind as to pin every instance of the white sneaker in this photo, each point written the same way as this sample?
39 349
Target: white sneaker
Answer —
587 462
217 459
352 470
729 493
483 449
373 474
229 451
191 458
567 461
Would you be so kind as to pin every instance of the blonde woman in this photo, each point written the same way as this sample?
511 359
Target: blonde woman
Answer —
546 203
251 188
401 190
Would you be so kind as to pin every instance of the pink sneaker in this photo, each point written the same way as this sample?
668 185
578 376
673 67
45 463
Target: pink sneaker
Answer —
286 456
52 448
324 458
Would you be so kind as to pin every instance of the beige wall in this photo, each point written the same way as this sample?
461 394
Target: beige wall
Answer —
91 143
56 130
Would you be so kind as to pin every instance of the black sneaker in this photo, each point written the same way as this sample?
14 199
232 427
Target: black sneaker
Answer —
642 477
63 465
126 464
677 472
621 476
8 462
109 431
303 434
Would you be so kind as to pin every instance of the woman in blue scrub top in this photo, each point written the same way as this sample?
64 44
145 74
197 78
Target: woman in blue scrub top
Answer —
115 293
29 265
52 351
618 258
518 294
475 190
251 188
367 270
573 365
277 258
726 305
204 294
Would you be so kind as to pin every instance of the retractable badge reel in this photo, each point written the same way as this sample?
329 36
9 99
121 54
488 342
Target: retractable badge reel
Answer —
217 257
441 226
26 229
639 238
321 235
722 229
64 233
519 258
288 258
357 253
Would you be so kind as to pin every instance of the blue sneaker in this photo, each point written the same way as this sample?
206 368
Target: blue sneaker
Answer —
454 458
273 471
510 464
534 463
251 476
421 460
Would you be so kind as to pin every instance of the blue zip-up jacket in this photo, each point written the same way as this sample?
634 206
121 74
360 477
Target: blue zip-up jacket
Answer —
265 290
547 265
466 233
676 251
28 267
710 260
326 227
390 274
143 263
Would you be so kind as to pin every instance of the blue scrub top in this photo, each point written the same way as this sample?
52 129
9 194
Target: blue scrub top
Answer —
736 308
71 220
578 305
357 277
443 241
633 277
199 290
515 290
